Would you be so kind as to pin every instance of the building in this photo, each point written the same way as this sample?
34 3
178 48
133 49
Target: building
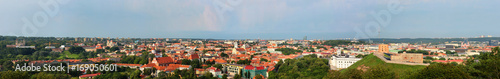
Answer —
215 72
162 61
383 48
342 62
232 69
254 71
408 57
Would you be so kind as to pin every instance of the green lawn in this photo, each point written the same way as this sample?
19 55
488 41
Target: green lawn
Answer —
402 70
67 54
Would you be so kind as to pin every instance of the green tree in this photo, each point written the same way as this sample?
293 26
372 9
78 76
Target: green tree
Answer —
263 59
76 50
237 76
14 75
354 74
442 71
259 77
224 55
43 75
224 76
7 65
114 48
379 72
136 74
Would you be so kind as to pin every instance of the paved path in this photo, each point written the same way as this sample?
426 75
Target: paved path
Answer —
396 62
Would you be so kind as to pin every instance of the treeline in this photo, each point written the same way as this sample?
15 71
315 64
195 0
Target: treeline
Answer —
341 42
288 51
426 40
307 67
144 59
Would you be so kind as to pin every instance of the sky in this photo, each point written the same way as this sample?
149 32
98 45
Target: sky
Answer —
249 19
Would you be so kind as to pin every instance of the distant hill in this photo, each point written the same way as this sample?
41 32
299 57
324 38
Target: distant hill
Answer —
404 71
426 40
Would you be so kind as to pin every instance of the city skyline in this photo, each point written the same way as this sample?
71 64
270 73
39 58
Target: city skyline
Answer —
322 19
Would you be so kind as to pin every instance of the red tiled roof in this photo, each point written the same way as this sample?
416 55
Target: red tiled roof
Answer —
213 68
260 68
240 49
148 65
249 67
163 60
456 60
121 64
442 61
90 75
220 61
194 56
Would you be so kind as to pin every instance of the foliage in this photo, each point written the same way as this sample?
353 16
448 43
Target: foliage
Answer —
135 75
134 60
245 62
76 49
288 51
114 48
340 42
224 55
237 76
44 75
415 51
486 65
263 59
442 71
379 72
14 75
259 77
307 67
224 76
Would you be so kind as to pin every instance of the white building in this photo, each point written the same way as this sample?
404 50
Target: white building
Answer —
342 62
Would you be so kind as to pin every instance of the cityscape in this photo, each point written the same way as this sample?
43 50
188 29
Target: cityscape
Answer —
240 39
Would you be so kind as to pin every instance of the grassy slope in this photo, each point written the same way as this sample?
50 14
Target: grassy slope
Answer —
402 70
68 54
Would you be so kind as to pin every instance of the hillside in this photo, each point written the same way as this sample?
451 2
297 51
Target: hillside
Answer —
371 61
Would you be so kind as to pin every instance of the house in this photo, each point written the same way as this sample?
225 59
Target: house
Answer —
255 71
232 69
162 61
89 48
199 71
193 56
215 72
170 68
342 62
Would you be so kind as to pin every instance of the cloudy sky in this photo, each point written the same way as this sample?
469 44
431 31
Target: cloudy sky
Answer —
247 19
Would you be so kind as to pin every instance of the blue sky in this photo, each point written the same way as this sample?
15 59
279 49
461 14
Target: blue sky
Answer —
250 19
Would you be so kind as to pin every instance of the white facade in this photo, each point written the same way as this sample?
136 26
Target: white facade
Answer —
342 62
